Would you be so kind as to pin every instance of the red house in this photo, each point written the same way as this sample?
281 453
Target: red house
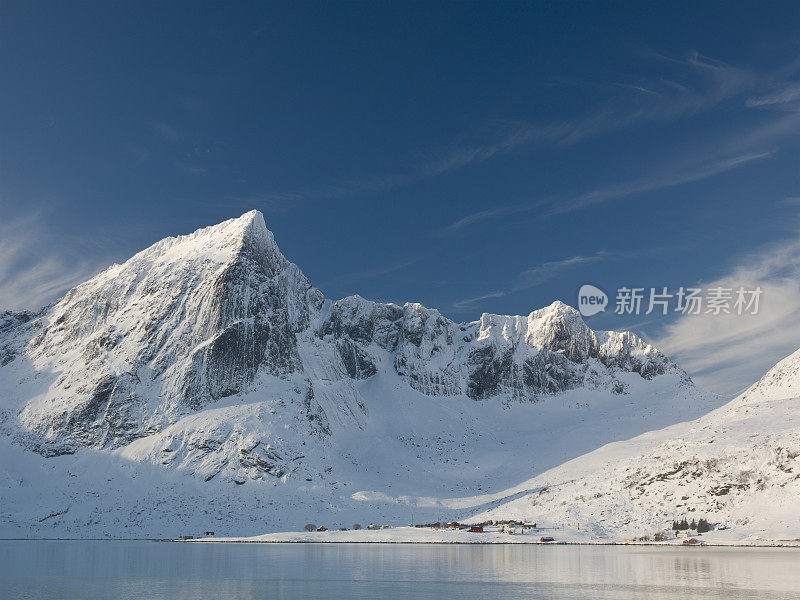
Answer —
476 529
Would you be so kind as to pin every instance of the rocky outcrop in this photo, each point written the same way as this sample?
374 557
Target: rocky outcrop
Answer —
522 358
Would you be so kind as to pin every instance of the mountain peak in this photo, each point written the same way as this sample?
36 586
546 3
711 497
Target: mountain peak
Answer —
252 215
250 225
559 308
253 224
258 241
218 243
223 243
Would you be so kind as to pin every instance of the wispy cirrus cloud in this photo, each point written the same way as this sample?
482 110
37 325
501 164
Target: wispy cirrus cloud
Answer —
37 266
787 99
679 175
716 82
533 277
700 84
372 273
491 213
728 153
727 353
688 86
490 140
687 174
166 131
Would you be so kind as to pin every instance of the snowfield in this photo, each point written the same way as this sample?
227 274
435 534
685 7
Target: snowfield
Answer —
461 458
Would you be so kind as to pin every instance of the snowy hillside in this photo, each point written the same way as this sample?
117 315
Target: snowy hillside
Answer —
209 359
738 467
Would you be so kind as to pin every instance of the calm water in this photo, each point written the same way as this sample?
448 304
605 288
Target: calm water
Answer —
137 570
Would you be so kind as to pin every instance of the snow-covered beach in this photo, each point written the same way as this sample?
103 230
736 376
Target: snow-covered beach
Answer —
426 535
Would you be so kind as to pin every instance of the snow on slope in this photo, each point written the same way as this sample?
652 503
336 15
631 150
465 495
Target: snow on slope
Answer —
212 356
738 467
413 448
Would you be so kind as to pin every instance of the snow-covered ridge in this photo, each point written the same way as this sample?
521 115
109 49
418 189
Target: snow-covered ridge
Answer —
549 351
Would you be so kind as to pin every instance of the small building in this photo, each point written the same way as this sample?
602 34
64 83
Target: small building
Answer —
663 536
511 529
546 540
209 534
322 528
476 529
693 542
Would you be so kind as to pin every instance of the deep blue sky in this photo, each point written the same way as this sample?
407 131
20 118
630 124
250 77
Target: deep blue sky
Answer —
474 157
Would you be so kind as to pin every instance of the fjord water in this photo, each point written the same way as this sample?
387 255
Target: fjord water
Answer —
93 570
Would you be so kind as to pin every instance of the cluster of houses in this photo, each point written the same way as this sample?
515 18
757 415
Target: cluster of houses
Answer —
208 534
509 527
356 527
688 537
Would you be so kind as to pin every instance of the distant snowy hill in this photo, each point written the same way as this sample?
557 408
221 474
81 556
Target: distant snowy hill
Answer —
208 361
738 467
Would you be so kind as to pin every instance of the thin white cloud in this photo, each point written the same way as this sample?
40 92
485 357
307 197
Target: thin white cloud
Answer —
484 215
36 267
541 273
727 353
787 98
471 302
166 131
496 137
533 277
372 273
679 175
707 84
737 148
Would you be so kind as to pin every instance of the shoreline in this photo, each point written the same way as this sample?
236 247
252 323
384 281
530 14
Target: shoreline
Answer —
615 544
791 544
545 536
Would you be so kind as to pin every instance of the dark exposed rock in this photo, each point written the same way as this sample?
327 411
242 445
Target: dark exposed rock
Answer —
490 369
356 362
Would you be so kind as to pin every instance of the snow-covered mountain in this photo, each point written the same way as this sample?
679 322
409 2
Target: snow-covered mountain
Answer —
738 467
211 355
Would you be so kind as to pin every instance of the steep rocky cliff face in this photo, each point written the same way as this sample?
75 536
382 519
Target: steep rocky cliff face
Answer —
549 351
214 353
